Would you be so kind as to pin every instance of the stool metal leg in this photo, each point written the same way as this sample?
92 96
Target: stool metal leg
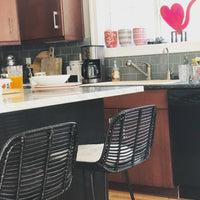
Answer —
129 184
106 186
92 184
84 183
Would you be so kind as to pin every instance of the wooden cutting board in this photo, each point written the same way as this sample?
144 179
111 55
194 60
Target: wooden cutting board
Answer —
51 65
37 61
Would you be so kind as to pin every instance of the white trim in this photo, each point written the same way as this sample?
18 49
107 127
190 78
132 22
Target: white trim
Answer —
97 20
86 18
152 49
93 22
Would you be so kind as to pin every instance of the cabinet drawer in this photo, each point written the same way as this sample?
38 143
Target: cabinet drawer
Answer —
156 97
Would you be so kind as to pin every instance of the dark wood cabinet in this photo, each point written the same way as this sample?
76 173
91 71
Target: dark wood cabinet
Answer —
157 170
9 33
51 20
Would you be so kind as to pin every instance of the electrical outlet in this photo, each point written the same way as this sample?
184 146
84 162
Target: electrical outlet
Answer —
28 61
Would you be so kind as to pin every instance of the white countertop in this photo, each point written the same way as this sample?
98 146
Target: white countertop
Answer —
39 99
135 83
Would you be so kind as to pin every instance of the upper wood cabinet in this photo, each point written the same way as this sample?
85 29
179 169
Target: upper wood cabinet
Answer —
51 20
9 27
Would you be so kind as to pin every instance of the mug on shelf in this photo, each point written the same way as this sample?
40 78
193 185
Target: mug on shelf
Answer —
110 38
125 37
139 36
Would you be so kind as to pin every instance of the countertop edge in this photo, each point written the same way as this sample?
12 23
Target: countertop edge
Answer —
68 98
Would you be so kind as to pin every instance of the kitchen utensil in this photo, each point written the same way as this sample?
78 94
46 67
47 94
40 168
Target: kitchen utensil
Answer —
36 66
125 37
93 61
56 87
15 73
110 38
51 65
74 69
51 80
10 60
195 74
139 36
183 73
91 70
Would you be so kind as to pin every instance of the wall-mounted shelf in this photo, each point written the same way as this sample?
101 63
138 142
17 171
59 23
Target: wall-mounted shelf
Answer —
152 49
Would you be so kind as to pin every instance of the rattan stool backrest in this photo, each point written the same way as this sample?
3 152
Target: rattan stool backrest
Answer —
37 164
129 139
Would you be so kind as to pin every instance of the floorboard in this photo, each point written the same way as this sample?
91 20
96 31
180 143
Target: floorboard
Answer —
121 195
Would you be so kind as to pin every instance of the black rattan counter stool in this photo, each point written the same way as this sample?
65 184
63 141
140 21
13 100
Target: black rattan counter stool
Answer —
37 164
128 143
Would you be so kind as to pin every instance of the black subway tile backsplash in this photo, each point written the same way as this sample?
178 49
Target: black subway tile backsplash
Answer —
69 50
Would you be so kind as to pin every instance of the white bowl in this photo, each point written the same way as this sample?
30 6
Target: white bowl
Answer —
49 80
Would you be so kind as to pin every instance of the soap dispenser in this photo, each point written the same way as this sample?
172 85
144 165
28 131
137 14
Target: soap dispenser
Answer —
115 72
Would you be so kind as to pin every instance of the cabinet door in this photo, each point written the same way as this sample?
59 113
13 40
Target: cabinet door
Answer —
9 33
40 19
157 170
109 114
51 20
73 19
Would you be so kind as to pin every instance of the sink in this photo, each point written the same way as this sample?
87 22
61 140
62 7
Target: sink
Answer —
141 82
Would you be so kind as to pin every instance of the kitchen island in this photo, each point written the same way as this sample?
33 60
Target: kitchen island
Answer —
81 104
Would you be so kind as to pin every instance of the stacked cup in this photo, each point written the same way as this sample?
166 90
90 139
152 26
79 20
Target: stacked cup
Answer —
125 37
139 36
110 38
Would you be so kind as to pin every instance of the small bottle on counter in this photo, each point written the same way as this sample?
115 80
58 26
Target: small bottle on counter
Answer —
115 72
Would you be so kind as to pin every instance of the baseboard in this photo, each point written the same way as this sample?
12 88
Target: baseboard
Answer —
156 191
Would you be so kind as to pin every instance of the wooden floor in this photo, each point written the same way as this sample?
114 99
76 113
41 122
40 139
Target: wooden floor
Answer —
120 195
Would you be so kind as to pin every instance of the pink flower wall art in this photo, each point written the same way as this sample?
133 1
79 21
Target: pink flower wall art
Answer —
176 17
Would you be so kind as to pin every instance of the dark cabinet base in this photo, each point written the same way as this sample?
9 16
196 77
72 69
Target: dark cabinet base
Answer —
90 118
81 188
188 192
184 109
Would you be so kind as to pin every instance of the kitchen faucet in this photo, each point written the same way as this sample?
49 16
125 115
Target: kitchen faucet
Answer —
166 52
129 63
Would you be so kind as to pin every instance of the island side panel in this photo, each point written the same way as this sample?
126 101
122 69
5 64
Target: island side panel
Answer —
88 114
90 118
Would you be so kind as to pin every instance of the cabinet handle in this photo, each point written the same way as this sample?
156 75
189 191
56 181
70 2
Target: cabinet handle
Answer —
10 25
55 13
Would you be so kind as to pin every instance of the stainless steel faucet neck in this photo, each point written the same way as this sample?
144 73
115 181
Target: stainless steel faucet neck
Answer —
147 74
166 52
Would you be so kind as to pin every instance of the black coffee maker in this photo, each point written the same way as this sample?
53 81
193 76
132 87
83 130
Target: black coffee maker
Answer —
93 60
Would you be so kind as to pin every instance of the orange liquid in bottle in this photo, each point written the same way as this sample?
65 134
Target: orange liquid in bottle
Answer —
17 82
